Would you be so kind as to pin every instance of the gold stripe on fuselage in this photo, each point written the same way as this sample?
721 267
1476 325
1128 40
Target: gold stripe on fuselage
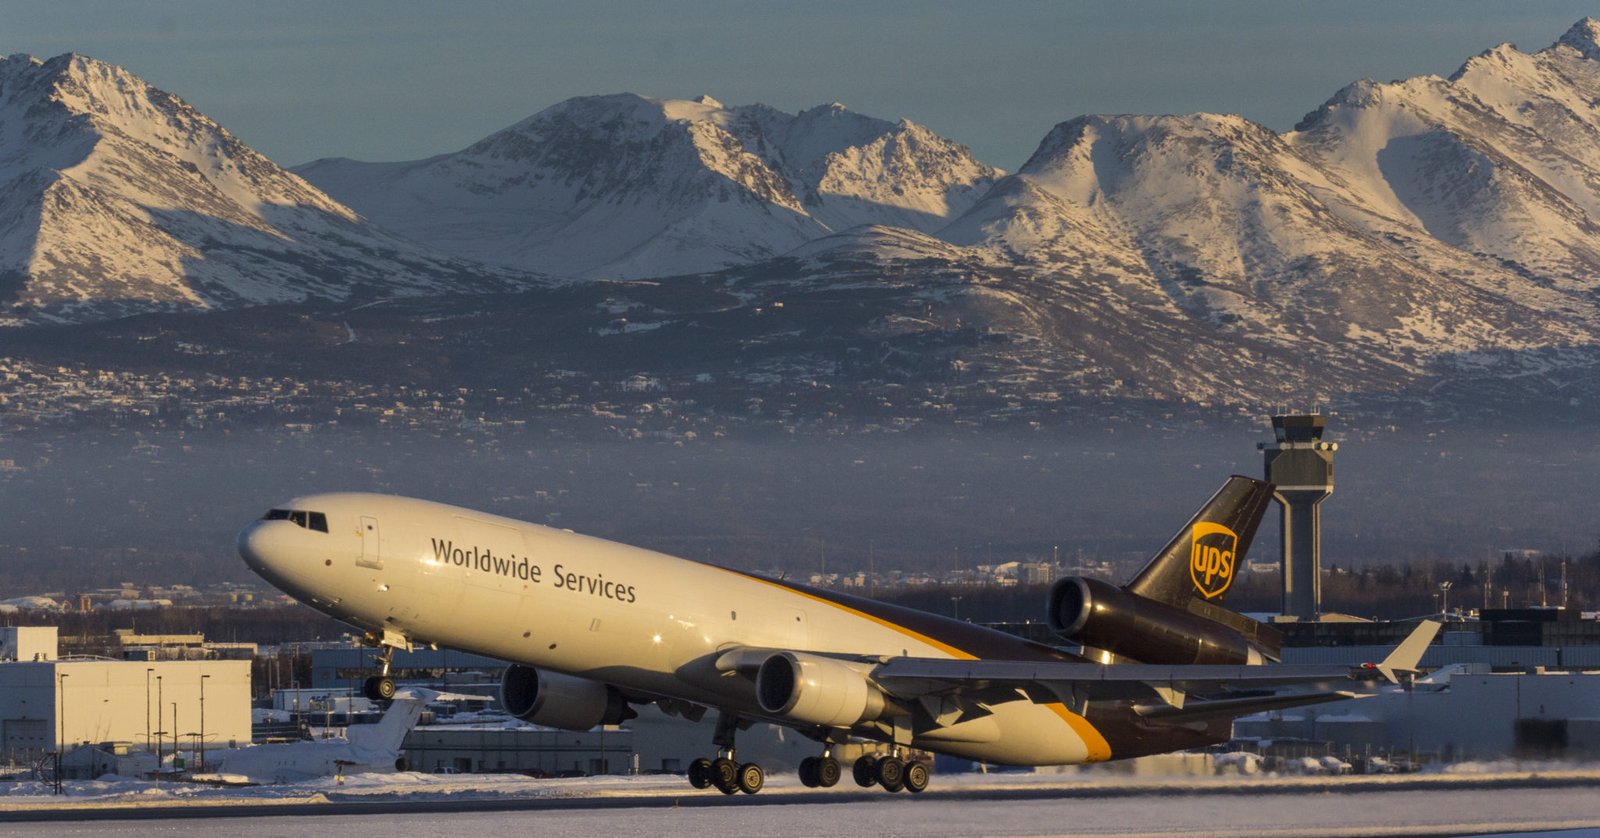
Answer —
1099 750
914 635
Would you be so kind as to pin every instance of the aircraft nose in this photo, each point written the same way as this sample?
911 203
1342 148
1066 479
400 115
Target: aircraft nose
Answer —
261 544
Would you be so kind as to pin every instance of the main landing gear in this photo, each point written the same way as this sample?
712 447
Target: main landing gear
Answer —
726 774
820 772
891 772
381 687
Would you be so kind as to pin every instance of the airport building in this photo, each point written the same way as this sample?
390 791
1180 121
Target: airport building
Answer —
50 704
345 668
525 750
1464 714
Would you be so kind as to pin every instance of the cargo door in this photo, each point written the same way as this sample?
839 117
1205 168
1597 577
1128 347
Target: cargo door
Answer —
370 553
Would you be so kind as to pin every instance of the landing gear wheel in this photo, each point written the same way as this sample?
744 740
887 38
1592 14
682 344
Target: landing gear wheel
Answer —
700 773
916 777
378 688
891 773
724 775
808 772
751 778
827 772
865 771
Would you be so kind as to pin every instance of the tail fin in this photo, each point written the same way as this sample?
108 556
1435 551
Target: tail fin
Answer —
1201 561
1405 657
388 733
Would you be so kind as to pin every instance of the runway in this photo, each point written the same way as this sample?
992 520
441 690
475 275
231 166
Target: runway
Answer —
1021 805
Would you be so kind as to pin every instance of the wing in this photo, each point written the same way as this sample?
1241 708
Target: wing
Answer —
1157 691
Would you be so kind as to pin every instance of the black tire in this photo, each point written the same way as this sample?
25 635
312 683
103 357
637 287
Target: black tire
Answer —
700 773
385 688
828 772
725 775
916 777
808 773
369 688
751 778
891 774
865 771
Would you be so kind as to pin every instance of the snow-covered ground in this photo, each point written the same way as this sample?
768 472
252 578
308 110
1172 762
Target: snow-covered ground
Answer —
1479 799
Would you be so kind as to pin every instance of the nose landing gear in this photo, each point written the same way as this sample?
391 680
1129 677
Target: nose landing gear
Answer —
381 687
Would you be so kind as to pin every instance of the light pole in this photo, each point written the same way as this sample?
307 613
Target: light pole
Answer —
61 716
148 671
174 735
201 758
159 702
955 607
1444 602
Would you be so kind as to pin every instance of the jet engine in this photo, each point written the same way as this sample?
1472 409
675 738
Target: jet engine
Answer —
1103 616
561 701
818 690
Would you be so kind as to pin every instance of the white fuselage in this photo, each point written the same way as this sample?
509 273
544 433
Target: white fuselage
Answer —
644 621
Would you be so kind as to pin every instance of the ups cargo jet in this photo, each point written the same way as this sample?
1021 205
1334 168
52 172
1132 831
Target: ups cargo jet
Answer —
593 627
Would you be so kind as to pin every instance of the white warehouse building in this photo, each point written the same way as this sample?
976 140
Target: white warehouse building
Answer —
47 703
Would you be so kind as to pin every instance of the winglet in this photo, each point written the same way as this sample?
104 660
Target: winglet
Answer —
1408 654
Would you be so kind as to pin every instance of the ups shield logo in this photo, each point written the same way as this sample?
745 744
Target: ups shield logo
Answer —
1212 550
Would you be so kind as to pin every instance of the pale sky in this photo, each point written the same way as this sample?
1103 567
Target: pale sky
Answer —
382 80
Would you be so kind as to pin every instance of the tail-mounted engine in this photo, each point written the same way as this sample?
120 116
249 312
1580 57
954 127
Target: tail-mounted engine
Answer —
817 690
561 701
1103 616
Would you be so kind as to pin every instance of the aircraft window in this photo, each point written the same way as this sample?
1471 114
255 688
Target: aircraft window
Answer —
276 515
299 518
319 522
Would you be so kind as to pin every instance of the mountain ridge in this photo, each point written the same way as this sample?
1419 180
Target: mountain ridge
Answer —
120 198
1406 237
625 186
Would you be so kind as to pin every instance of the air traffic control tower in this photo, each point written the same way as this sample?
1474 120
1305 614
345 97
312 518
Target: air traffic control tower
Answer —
1300 465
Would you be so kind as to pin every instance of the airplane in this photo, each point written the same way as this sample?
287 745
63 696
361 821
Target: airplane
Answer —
365 749
592 627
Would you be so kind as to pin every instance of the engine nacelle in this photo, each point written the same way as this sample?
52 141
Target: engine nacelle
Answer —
817 690
561 701
1103 616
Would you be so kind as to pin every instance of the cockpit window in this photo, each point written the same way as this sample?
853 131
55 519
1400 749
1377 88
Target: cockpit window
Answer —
300 518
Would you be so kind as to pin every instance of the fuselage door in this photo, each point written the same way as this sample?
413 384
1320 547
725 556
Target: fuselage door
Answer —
370 556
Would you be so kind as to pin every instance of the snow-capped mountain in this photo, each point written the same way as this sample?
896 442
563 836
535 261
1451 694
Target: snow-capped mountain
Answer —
624 186
1430 239
1426 223
116 197
1500 160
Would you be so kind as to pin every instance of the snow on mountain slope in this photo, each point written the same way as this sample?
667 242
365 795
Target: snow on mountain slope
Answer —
116 197
1426 224
624 186
1501 160
1219 220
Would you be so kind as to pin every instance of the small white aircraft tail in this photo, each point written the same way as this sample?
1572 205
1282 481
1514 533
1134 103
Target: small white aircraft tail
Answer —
1405 657
389 732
